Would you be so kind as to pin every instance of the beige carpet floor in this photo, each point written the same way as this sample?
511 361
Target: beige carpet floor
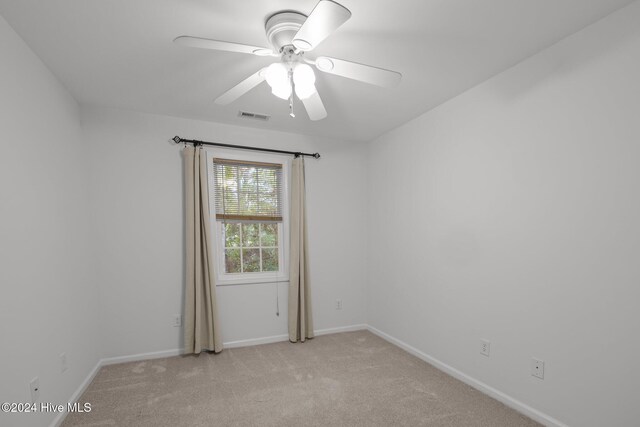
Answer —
346 379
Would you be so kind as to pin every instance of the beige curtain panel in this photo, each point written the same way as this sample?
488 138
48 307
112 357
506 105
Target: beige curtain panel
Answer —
300 321
201 325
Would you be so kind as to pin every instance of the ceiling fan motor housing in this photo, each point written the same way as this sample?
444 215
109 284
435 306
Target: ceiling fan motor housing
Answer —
282 27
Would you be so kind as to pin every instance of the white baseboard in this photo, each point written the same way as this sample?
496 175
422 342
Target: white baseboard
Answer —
176 352
141 356
285 337
255 341
360 327
110 361
76 395
478 385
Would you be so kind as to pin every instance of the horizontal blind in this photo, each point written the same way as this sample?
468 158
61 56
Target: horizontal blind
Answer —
248 191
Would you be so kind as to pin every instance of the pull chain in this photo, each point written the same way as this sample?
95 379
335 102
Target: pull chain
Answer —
291 113
277 300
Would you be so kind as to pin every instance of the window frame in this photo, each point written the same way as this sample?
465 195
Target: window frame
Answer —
226 279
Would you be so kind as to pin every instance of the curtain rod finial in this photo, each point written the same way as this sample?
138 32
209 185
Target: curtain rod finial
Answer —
316 155
177 139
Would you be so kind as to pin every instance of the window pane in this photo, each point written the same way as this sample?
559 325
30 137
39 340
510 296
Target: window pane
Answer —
226 190
250 235
250 260
267 194
232 261
230 202
232 235
270 259
269 234
247 189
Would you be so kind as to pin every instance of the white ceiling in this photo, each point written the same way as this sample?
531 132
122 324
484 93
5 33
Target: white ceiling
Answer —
119 53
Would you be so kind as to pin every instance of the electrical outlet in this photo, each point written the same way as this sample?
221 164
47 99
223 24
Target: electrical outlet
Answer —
537 368
338 304
177 321
485 347
34 386
63 362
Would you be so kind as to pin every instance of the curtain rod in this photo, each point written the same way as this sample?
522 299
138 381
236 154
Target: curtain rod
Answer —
195 143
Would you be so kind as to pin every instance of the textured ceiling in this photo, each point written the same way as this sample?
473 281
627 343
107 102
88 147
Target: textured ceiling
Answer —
119 53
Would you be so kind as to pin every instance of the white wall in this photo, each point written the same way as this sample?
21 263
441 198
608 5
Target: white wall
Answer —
49 297
511 213
137 203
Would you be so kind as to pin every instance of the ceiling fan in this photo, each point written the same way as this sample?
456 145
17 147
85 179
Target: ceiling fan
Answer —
292 35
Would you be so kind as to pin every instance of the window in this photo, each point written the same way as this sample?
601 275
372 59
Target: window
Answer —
248 197
250 247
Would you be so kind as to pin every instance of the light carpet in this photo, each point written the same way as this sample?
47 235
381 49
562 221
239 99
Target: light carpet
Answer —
346 379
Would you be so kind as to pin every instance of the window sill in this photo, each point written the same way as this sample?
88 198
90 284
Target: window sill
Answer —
251 280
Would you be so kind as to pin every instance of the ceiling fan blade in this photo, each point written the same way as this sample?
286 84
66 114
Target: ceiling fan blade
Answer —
324 19
315 107
220 45
364 73
241 88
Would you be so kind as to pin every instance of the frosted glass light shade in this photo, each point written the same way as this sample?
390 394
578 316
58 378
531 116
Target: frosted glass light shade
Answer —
282 92
277 76
304 81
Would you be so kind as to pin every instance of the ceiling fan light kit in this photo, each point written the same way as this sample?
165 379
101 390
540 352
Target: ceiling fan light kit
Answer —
304 80
282 77
292 35
277 76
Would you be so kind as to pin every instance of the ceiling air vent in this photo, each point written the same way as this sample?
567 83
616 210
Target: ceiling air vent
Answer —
254 116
